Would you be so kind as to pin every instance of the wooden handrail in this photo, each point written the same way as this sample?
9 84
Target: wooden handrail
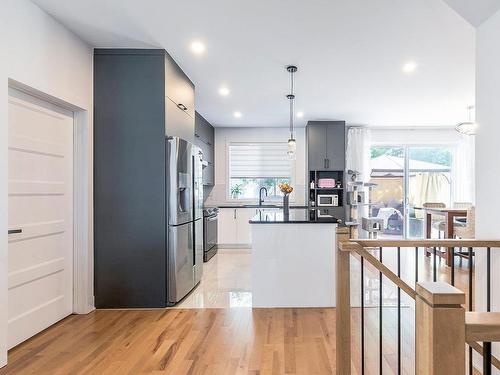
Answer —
482 326
429 242
386 271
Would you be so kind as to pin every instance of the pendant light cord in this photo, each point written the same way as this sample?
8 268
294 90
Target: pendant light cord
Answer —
291 97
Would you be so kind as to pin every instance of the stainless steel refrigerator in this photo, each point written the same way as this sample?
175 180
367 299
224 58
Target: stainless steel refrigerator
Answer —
185 218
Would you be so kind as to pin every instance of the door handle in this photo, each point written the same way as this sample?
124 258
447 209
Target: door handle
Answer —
15 231
327 163
324 163
235 214
182 106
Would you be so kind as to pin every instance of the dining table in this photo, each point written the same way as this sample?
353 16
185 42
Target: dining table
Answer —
449 215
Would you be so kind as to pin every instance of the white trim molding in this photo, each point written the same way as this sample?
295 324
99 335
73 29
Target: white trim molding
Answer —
83 292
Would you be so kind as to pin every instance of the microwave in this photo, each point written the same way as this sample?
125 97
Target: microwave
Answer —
328 200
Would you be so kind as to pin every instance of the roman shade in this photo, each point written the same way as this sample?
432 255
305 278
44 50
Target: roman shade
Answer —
259 160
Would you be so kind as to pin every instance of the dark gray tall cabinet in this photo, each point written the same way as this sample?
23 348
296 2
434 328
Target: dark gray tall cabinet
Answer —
140 96
326 159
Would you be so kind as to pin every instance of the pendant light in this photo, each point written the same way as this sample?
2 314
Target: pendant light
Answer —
292 144
469 127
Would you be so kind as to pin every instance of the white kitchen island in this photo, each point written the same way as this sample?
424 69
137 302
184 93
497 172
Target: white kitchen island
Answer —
293 259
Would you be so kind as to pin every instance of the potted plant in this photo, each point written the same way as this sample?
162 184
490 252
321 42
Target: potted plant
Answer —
236 190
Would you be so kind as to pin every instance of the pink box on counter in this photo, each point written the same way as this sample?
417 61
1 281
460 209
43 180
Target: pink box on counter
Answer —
326 183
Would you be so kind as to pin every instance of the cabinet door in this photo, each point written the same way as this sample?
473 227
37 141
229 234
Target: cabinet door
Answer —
316 147
208 174
243 217
208 152
335 147
226 230
177 122
178 87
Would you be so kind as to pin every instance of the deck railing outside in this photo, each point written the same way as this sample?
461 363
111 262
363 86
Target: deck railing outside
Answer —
442 326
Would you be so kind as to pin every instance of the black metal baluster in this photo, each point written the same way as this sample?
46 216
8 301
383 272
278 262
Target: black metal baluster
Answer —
416 266
453 266
381 301
434 271
362 317
470 305
487 345
486 358
488 279
399 313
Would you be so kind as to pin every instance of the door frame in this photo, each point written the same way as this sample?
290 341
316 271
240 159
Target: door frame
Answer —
83 293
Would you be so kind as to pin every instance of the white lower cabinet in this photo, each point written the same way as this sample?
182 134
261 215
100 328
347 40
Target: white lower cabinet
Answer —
234 226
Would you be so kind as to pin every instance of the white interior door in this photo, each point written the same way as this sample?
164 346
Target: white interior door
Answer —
40 216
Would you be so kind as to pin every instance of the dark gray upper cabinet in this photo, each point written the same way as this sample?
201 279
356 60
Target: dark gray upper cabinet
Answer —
325 145
335 145
178 87
205 139
316 146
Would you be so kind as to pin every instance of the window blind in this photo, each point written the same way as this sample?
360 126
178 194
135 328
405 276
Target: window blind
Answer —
259 160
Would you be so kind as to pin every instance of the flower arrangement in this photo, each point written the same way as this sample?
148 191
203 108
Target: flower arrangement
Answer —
285 188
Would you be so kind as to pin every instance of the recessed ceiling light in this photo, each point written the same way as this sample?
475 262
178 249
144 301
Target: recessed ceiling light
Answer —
300 114
237 114
224 91
197 47
409 67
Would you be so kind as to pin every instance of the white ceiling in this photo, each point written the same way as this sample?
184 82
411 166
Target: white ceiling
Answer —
475 11
349 54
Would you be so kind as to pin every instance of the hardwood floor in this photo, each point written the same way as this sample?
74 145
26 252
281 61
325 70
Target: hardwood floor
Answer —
224 341
208 341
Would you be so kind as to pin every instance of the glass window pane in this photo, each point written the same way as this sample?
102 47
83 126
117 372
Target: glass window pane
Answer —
387 164
248 188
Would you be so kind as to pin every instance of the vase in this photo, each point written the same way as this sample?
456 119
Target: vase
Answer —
286 206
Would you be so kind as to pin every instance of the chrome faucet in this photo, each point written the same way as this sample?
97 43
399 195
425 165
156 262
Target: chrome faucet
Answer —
261 200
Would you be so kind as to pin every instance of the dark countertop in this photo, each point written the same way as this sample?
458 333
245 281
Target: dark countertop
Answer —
229 205
297 216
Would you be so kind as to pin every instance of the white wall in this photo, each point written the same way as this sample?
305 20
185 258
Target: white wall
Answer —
488 155
224 136
408 136
38 52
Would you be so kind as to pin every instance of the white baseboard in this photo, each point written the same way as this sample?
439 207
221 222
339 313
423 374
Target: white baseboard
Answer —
234 249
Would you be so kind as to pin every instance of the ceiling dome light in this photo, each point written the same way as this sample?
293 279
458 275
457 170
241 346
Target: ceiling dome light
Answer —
409 67
224 91
237 114
198 47
300 114
468 127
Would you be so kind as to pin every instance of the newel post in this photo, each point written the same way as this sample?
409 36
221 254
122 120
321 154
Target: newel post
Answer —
343 305
440 329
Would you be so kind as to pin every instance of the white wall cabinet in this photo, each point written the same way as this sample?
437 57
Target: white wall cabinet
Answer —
234 226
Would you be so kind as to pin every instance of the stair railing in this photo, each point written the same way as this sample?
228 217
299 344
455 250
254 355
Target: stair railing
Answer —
442 325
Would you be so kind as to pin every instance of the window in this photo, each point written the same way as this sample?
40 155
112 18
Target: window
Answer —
253 165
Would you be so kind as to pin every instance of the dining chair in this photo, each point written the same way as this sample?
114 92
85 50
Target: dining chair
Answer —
469 229
436 223
464 205
460 221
